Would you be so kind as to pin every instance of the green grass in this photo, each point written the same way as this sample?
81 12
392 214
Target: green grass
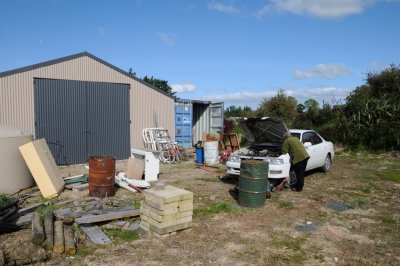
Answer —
283 204
289 242
392 174
117 234
208 211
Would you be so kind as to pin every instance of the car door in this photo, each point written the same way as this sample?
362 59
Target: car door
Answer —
316 150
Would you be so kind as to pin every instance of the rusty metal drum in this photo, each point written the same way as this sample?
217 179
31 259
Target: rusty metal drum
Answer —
101 176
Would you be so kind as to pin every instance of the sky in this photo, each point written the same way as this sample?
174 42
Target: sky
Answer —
233 51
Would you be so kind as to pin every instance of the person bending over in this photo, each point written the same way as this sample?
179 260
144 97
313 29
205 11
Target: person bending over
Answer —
298 156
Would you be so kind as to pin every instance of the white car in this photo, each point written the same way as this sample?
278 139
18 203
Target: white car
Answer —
265 137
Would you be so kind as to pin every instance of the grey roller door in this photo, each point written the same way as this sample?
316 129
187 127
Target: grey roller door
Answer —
80 119
108 119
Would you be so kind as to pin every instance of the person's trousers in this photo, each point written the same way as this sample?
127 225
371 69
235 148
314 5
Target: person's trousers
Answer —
300 168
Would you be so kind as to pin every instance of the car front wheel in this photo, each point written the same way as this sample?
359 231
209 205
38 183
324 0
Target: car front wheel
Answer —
327 164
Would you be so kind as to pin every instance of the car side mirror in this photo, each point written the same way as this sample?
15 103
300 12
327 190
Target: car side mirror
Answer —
307 144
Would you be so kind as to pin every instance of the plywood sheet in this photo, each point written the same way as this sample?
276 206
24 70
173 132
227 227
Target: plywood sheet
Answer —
135 167
43 168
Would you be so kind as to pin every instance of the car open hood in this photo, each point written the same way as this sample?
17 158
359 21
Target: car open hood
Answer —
263 131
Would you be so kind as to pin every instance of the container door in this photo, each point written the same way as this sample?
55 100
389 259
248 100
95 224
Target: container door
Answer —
217 117
183 124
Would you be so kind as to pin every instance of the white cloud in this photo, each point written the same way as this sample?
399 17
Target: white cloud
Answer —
229 9
329 71
166 38
101 30
329 9
329 95
185 87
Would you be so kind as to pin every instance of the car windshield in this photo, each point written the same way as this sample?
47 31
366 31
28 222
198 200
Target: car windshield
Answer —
297 135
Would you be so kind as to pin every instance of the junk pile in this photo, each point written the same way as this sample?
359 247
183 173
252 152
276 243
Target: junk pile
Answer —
216 147
53 224
166 210
158 139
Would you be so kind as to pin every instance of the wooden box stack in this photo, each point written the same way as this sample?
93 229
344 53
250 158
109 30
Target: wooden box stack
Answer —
165 211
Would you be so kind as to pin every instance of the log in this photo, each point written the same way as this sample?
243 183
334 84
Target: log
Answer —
38 235
69 241
58 246
49 230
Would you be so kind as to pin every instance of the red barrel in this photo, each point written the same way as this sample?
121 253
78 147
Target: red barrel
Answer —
101 176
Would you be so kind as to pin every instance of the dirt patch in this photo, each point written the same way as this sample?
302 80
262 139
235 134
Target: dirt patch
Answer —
349 216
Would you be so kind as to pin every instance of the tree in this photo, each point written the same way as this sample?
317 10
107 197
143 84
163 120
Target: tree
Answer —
161 84
131 73
233 111
279 106
371 115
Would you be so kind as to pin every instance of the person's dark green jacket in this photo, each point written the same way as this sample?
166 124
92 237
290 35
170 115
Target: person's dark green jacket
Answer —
295 148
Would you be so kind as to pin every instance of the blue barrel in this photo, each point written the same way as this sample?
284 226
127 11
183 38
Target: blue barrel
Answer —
200 155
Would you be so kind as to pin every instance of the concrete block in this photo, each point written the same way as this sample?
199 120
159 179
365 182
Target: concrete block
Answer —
159 212
186 205
167 195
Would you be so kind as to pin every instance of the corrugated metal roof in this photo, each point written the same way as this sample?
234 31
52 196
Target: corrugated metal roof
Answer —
75 56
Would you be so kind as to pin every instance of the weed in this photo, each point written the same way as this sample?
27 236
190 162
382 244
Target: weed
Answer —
319 257
123 235
5 200
134 203
360 201
366 190
205 212
45 208
85 250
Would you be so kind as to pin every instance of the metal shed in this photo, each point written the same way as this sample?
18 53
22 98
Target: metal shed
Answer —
193 118
83 106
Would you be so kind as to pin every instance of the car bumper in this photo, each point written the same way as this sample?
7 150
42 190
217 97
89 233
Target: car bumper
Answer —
276 171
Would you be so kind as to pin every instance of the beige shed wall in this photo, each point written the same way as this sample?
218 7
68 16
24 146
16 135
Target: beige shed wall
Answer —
148 108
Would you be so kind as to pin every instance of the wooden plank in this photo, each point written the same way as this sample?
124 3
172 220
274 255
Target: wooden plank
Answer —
77 186
81 187
118 214
95 235
28 209
43 168
23 220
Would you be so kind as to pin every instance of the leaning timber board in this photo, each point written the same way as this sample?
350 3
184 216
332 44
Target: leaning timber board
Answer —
43 168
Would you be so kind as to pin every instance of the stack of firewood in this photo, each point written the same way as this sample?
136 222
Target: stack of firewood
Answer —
52 235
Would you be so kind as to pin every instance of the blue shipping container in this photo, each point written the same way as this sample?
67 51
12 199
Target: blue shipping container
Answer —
183 124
